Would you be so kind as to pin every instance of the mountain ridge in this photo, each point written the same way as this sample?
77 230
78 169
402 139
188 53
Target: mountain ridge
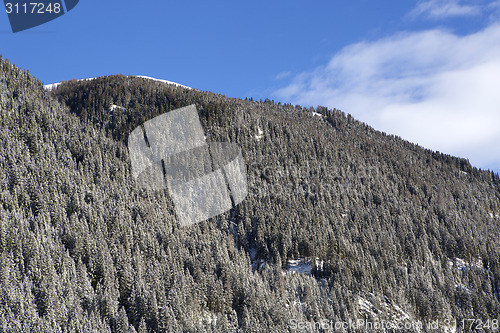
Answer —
82 248
52 86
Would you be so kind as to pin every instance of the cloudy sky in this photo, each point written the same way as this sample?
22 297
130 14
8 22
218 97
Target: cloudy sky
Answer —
438 87
426 70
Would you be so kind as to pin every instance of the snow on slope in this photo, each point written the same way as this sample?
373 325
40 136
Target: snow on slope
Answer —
259 135
303 265
164 81
53 86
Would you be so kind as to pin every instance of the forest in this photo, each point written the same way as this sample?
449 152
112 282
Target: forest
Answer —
381 229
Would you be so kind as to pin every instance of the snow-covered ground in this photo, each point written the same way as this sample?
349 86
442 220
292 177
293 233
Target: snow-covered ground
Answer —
164 81
462 265
51 86
208 317
113 107
303 265
259 134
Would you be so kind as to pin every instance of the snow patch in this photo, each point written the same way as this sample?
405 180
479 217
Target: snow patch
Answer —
51 86
163 81
208 317
494 215
113 107
259 135
366 307
303 265
299 266
299 303
463 265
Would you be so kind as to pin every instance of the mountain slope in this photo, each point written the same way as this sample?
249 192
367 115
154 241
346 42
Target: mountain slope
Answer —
393 226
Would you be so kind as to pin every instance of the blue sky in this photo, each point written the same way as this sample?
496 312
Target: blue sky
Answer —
426 70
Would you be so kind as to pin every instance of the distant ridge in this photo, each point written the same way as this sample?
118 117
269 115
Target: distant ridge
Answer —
53 86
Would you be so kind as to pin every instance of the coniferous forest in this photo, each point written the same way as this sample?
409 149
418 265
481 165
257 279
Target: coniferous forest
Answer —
341 222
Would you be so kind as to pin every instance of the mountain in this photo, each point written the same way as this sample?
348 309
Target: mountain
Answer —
341 222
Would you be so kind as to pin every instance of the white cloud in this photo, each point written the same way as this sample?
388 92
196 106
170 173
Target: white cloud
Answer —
434 88
282 75
439 9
